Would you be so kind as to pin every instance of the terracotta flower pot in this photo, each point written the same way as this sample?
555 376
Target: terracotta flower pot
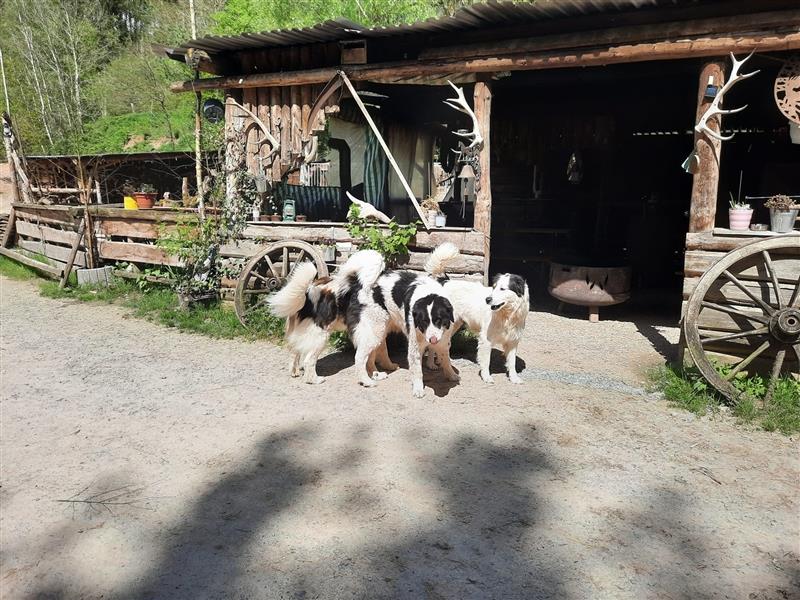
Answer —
144 199
274 218
301 218
739 219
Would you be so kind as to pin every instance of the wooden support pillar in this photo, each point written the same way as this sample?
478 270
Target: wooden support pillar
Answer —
483 198
703 209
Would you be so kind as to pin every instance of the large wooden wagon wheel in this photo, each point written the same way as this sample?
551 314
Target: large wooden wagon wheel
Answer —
266 272
746 308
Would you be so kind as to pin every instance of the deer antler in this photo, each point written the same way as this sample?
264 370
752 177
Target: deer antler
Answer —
268 137
460 104
714 109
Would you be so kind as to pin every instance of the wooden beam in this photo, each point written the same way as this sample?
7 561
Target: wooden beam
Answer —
139 253
522 61
48 234
703 209
72 255
483 198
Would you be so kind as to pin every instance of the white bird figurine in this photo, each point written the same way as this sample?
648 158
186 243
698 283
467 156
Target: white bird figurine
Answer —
367 211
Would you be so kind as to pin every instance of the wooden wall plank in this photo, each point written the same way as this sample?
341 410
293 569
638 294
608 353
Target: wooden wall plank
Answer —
697 262
139 253
59 253
468 241
48 234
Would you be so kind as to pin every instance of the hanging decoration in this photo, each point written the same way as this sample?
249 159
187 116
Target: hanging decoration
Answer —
715 111
787 89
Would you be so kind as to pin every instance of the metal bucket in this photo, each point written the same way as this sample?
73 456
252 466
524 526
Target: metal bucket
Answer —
782 221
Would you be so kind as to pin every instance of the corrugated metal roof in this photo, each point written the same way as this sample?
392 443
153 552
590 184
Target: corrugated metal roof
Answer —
493 13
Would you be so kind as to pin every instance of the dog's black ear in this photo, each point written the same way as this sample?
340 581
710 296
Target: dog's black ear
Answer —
517 285
495 279
420 315
326 309
442 313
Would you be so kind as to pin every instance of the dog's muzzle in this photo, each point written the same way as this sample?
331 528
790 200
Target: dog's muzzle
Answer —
433 340
496 306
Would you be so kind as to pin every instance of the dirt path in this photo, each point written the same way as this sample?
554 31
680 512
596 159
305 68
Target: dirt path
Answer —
227 479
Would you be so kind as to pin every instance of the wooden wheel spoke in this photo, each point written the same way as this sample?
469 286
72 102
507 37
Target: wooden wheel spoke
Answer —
735 281
734 311
285 261
795 301
753 355
297 261
251 292
734 336
260 276
776 372
773 276
271 267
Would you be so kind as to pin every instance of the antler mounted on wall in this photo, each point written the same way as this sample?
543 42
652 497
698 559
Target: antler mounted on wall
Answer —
714 110
460 104
275 145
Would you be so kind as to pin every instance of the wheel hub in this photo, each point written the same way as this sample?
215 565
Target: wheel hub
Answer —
785 325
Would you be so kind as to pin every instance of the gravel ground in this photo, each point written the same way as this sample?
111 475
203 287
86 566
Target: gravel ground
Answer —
138 462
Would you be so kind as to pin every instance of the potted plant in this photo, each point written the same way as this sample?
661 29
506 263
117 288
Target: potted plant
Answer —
145 197
430 207
782 213
301 218
739 215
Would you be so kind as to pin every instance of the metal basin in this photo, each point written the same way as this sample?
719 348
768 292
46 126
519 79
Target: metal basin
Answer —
591 286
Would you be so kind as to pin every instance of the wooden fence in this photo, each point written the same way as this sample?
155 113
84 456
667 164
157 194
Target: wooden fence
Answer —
45 237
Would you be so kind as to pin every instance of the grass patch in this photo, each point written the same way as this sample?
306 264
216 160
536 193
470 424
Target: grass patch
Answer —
687 389
14 270
159 305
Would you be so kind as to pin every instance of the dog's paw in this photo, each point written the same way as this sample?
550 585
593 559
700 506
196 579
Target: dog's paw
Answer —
432 366
453 376
379 375
391 367
316 380
487 377
367 382
515 378
418 390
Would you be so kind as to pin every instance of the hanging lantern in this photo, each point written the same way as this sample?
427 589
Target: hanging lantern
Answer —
213 110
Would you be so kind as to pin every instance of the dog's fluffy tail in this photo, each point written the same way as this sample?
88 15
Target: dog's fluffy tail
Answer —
441 256
367 265
292 297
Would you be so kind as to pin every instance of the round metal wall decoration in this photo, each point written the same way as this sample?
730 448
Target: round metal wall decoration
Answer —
213 110
787 89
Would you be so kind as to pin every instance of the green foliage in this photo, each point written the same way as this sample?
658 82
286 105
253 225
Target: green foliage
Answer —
392 243
240 16
196 243
686 387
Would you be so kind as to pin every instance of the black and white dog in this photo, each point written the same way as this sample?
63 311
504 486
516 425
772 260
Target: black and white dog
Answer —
417 305
496 314
369 303
314 308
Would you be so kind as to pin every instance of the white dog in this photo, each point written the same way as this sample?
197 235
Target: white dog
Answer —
496 314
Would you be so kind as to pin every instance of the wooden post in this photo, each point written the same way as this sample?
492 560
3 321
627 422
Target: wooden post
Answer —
72 254
703 209
483 198
86 192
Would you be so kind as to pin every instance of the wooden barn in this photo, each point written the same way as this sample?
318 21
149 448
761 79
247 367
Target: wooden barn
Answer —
586 110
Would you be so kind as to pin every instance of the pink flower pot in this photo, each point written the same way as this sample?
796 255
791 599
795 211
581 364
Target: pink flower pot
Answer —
740 219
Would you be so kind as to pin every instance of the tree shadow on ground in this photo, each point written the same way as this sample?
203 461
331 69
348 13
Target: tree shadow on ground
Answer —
666 552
